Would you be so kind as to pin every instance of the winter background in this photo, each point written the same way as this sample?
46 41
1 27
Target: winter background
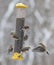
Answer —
40 18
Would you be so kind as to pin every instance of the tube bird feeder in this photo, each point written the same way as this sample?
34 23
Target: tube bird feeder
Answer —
20 20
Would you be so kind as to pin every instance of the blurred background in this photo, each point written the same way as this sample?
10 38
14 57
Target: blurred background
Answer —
40 18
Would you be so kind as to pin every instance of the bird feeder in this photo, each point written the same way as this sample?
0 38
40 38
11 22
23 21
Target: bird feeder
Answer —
20 20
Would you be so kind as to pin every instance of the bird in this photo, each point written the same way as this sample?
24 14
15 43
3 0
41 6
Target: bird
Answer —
17 56
42 48
25 49
25 28
25 37
14 36
10 49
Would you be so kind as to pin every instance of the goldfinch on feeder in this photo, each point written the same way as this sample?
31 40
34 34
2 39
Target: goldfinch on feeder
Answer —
14 36
10 49
26 27
17 56
25 49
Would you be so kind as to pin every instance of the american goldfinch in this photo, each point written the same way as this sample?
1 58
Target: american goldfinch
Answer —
26 27
14 36
41 48
17 56
10 49
25 49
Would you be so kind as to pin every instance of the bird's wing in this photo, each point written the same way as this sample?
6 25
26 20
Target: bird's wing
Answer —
38 49
42 45
25 49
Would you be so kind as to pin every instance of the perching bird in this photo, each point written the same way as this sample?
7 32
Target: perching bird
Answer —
25 37
25 28
25 49
14 36
10 49
41 48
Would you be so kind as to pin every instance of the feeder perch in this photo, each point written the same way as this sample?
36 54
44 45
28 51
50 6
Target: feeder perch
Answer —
20 20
